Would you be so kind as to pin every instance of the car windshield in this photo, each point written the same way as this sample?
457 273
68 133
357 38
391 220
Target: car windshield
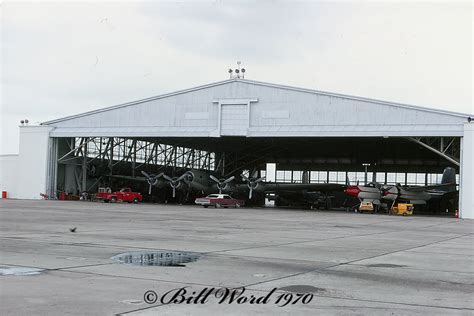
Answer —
213 196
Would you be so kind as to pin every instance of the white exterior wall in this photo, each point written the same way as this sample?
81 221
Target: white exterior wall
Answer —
32 161
466 198
9 174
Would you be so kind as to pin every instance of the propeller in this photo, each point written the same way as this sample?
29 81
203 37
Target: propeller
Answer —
151 179
252 183
175 182
221 183
188 179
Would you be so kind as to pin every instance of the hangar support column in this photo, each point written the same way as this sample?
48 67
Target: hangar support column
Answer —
34 169
466 192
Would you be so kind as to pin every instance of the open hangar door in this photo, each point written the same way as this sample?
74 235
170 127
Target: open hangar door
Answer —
115 161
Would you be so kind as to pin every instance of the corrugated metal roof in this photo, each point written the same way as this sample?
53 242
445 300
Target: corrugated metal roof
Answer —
258 83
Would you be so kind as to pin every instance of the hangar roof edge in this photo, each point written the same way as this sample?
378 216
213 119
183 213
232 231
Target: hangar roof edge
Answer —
279 86
358 98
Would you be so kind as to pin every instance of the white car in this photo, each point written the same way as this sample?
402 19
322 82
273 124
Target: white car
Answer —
219 200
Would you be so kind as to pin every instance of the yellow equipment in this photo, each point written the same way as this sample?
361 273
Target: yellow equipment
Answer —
403 209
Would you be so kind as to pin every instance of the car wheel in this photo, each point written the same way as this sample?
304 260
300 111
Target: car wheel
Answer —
113 199
237 205
106 201
206 206
135 200
218 205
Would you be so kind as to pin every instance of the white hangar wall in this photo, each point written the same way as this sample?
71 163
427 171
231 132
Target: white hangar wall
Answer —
25 176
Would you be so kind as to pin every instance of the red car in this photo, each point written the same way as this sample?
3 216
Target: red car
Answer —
219 200
125 195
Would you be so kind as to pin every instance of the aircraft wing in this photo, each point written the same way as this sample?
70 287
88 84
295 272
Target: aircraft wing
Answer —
428 187
291 187
141 179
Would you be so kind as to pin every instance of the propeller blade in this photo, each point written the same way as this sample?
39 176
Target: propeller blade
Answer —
182 177
348 182
214 178
174 192
245 178
167 178
149 189
255 173
250 193
159 175
220 190
259 180
229 179
145 174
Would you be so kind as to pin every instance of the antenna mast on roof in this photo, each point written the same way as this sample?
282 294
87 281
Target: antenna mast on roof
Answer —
237 72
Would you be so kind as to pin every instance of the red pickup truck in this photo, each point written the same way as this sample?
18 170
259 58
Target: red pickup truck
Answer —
125 195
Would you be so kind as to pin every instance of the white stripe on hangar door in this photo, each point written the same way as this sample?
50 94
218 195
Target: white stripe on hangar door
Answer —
234 119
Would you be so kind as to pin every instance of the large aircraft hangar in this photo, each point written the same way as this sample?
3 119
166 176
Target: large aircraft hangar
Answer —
240 125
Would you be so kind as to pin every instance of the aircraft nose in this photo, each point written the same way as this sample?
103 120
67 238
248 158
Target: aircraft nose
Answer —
352 191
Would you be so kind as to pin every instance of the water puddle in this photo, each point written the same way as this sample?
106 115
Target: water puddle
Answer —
385 265
20 271
157 258
302 289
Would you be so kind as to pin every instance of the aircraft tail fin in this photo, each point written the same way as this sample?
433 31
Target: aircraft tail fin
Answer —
449 176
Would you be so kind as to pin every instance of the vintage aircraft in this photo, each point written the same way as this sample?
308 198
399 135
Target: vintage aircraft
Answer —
203 182
375 192
421 194
190 181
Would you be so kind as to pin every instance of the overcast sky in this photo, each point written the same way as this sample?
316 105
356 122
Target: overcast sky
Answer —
62 58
